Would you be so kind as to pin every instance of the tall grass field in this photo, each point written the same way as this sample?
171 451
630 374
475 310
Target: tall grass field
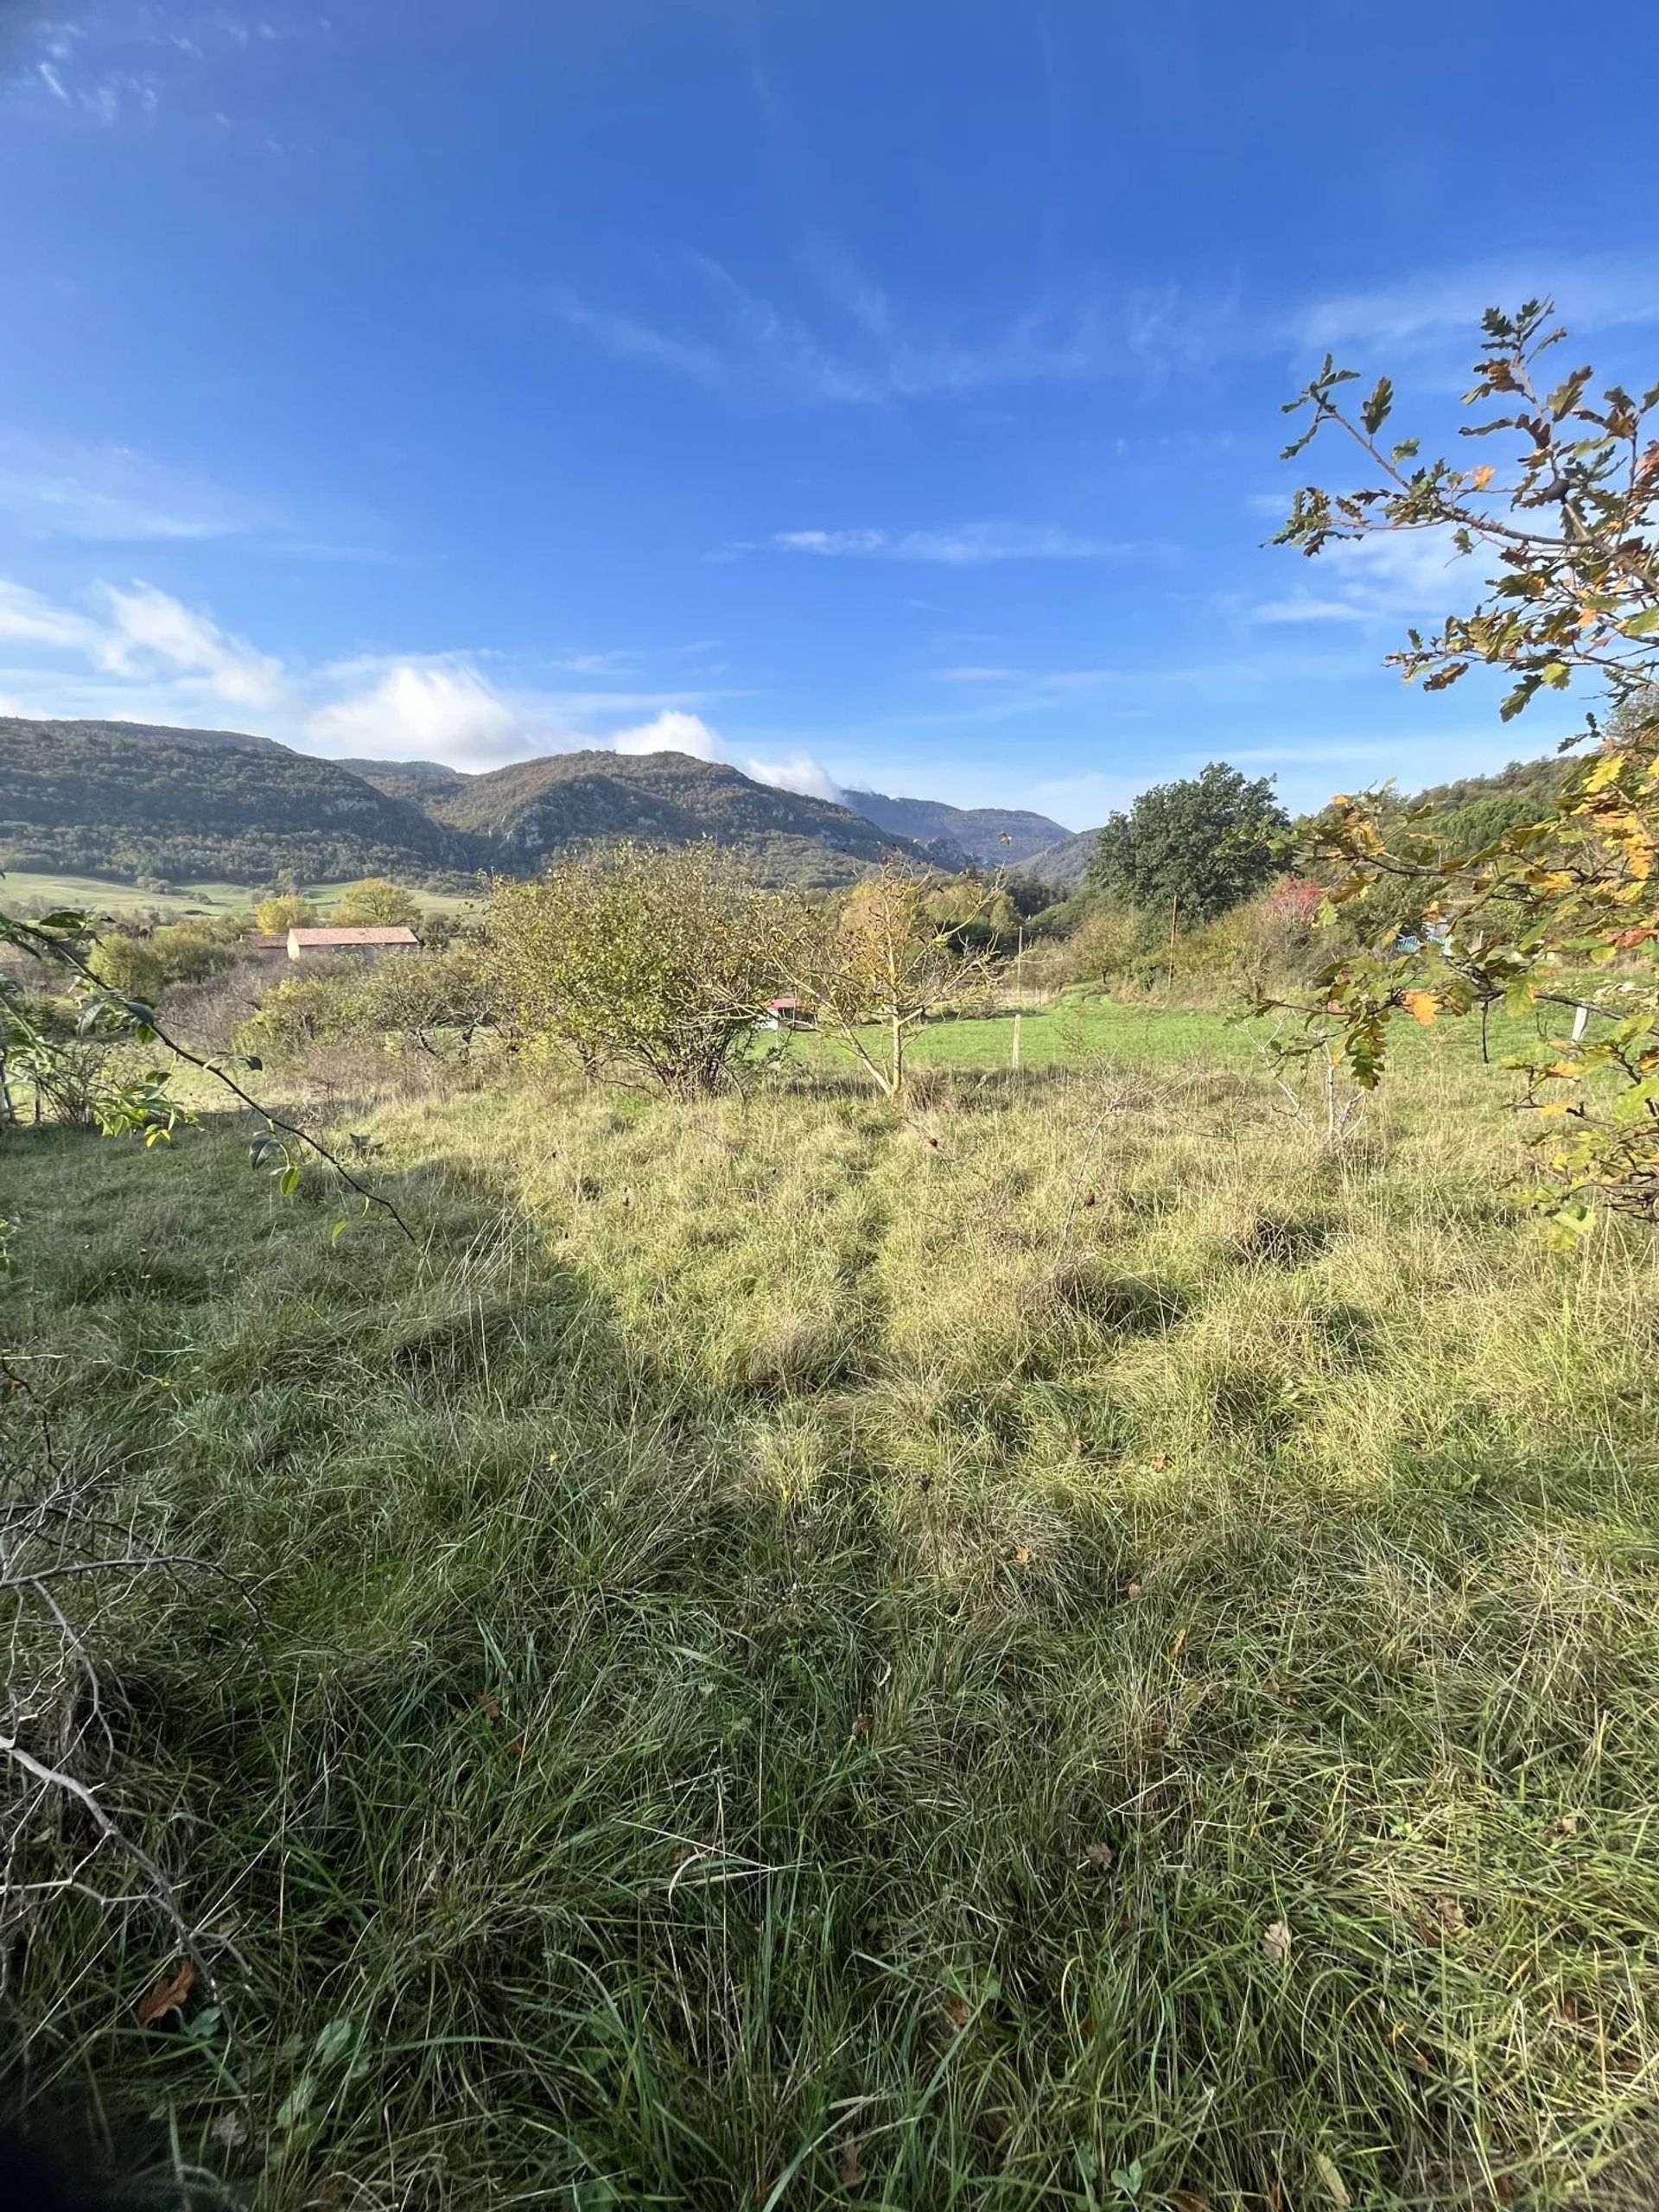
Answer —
1079 1646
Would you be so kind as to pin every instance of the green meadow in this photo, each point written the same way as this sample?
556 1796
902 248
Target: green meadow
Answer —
101 895
1077 1646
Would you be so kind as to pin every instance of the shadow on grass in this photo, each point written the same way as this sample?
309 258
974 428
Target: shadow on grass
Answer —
637 1791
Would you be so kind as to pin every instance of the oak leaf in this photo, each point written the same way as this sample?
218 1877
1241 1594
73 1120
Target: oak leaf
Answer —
165 1994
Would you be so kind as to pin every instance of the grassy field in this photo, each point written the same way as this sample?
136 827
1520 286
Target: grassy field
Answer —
1089 1028
1077 1031
1077 1648
98 895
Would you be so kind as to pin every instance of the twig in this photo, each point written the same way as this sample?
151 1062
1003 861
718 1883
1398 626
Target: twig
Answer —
161 1888
137 1559
46 947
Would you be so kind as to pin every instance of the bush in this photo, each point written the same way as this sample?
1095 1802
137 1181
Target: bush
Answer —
307 1010
643 963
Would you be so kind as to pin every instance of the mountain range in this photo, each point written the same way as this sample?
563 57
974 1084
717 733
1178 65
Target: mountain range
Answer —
994 836
136 801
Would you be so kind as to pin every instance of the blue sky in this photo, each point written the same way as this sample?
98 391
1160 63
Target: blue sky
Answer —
877 392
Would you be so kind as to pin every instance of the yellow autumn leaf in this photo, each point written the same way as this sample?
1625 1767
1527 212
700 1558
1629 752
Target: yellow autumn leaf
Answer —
1422 1007
1483 476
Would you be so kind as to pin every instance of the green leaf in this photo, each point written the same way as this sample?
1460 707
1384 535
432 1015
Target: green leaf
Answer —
1377 409
298 2102
288 1181
1642 624
334 2040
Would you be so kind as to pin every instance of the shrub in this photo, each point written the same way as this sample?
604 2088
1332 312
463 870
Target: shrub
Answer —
642 963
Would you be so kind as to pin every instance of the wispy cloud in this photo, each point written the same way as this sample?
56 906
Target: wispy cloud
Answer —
148 629
59 487
29 618
137 654
963 547
632 340
115 65
1432 307
857 346
1378 580
850 341
1050 683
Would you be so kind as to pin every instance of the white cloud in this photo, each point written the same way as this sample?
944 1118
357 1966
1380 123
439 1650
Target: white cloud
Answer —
148 628
443 711
796 772
141 655
140 635
677 732
34 619
1592 292
964 547
671 733
1380 579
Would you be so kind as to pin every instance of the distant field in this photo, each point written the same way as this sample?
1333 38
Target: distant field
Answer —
98 895
1089 1028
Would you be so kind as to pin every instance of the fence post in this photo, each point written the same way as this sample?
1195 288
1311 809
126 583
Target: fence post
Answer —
1014 1056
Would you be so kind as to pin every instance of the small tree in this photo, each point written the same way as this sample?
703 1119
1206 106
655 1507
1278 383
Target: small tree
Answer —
288 910
130 966
642 963
1570 523
883 962
376 903
439 1001
1194 847
307 1010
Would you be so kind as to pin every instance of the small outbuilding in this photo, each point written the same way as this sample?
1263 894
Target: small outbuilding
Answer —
368 941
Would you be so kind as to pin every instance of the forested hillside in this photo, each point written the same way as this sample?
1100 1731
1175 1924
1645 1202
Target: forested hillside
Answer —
129 800
418 780
1065 864
126 800
534 808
